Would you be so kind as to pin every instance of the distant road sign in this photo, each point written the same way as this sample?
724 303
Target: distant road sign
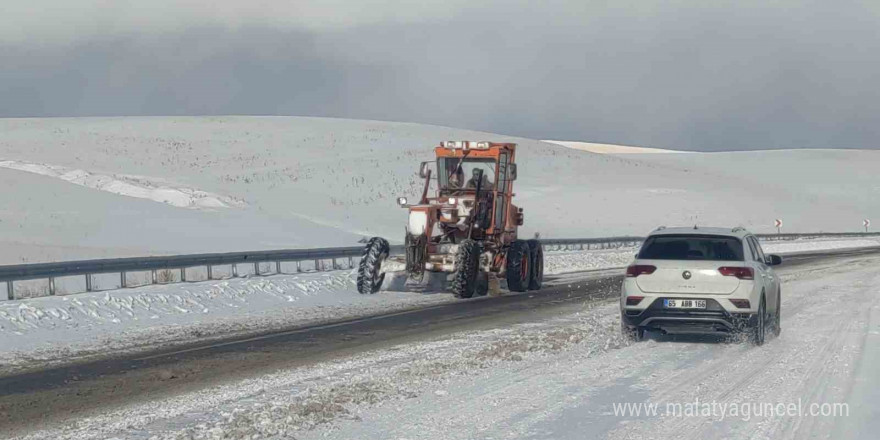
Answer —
866 223
778 223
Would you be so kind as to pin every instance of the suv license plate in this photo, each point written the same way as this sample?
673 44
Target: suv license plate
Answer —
684 303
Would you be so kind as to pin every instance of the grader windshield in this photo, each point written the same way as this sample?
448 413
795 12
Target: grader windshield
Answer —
461 173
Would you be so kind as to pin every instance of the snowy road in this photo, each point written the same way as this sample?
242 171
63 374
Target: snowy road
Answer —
547 367
826 355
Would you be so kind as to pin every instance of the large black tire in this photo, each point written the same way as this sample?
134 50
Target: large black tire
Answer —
536 279
519 263
467 267
760 330
370 275
631 334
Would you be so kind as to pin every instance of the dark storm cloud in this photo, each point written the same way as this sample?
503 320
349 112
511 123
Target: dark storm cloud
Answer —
691 76
201 71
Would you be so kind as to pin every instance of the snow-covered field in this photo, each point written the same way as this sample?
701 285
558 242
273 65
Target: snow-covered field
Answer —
558 378
98 187
131 186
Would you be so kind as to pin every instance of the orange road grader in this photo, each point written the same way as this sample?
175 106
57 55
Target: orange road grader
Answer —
467 229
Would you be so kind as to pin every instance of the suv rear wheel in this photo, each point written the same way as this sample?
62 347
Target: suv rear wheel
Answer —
777 320
758 332
632 334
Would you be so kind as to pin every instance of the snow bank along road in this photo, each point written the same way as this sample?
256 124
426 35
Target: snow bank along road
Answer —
538 365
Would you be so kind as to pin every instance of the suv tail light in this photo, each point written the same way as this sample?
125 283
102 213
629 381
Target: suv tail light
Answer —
634 300
743 273
639 269
741 303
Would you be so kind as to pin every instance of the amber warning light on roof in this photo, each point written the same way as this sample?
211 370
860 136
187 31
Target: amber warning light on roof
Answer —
465 145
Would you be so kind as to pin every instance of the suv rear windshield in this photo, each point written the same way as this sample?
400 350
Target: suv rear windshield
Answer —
692 247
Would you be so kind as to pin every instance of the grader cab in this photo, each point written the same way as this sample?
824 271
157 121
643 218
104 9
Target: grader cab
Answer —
468 227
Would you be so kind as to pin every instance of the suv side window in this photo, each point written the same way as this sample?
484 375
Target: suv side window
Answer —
752 249
758 249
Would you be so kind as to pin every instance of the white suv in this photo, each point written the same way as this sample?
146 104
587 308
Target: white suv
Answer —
701 280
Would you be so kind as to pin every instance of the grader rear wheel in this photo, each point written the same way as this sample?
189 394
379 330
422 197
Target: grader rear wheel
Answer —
519 264
537 277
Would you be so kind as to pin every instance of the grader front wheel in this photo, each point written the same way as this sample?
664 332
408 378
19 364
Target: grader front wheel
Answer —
467 266
370 275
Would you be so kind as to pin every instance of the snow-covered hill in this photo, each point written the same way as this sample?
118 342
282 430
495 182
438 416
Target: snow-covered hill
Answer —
91 187
610 148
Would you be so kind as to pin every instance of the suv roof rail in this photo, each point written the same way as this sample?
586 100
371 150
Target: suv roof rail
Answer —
738 229
660 228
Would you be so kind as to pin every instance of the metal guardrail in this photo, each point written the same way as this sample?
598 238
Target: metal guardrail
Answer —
800 236
88 268
562 244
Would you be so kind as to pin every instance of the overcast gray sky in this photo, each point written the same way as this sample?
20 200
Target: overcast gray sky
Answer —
688 74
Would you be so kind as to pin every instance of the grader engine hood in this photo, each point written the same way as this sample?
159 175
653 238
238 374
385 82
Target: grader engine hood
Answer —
451 211
421 219
418 222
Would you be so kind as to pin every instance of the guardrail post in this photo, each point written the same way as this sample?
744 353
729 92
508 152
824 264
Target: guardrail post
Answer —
317 265
88 282
122 282
10 290
234 271
154 277
333 263
298 267
210 272
256 268
52 286
278 267
350 263
182 274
